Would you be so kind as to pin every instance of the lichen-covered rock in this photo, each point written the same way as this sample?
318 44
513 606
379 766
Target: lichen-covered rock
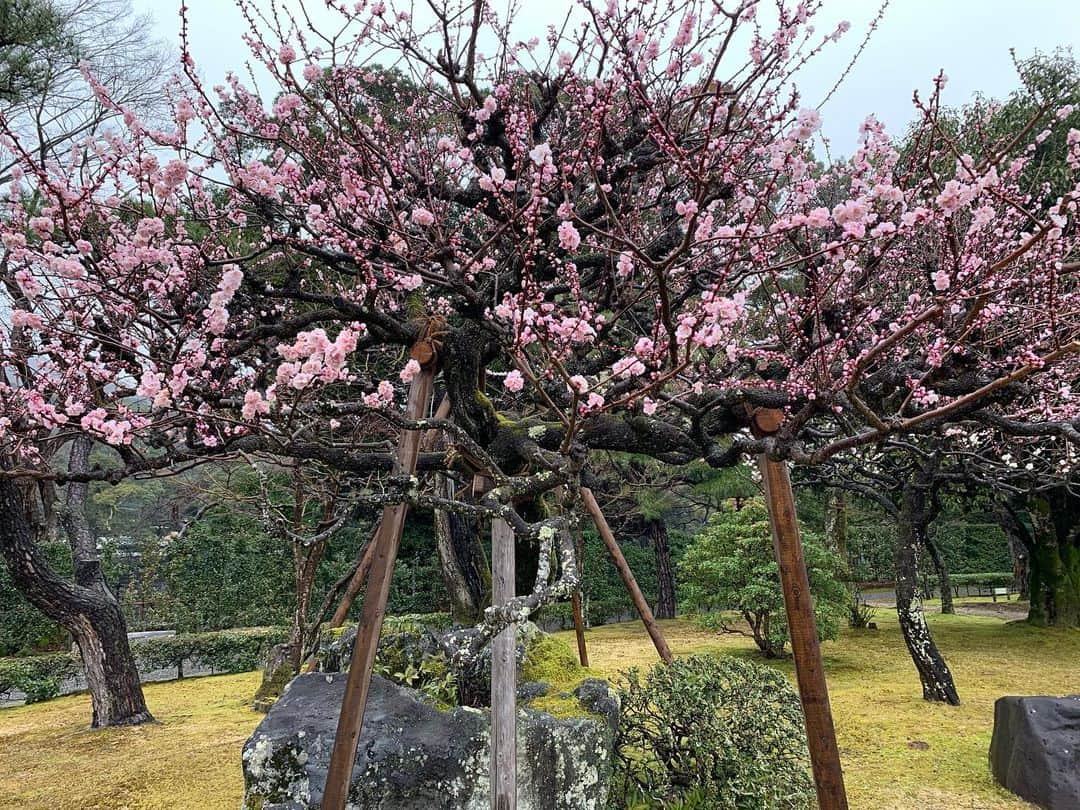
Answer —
277 672
412 756
1035 750
428 645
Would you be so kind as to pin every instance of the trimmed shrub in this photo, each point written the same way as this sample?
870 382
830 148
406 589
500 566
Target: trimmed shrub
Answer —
39 676
223 651
714 732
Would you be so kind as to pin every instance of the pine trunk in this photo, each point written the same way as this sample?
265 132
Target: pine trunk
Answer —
937 680
665 580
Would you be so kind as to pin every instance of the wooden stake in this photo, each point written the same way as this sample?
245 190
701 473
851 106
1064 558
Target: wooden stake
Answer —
805 647
575 604
643 609
387 540
503 674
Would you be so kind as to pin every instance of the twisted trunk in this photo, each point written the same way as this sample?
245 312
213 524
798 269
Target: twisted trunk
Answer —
912 525
665 580
461 559
85 607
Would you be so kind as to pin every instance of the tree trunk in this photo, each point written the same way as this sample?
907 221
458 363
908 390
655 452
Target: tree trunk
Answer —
914 518
665 580
1055 560
1021 543
942 570
306 566
86 608
836 522
1021 565
461 559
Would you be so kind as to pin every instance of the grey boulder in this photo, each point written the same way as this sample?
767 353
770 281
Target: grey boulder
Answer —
1035 750
413 756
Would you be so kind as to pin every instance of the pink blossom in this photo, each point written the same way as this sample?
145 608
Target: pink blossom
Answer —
579 384
686 209
254 404
648 406
28 320
42 226
514 381
941 280
540 154
412 368
421 216
287 53
569 238
953 196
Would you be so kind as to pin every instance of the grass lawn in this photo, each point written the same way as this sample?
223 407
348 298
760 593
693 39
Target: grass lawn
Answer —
191 758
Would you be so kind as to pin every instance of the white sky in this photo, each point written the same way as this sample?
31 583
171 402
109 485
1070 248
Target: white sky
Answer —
969 39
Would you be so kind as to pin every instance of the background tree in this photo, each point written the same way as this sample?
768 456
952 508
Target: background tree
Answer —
730 566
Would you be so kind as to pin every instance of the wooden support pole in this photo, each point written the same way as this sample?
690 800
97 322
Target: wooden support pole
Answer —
643 609
575 603
805 646
356 582
386 541
503 674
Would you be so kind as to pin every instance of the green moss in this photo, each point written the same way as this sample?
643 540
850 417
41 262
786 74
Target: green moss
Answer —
553 661
271 688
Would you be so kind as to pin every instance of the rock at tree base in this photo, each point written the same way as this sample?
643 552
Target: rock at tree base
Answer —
1035 751
277 672
413 756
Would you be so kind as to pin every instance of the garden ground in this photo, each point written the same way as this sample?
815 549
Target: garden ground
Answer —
899 751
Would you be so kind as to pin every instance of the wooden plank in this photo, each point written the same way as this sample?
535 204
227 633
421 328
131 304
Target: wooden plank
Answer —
503 674
386 543
643 609
805 646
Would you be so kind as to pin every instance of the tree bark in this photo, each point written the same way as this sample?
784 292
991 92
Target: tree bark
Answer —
1055 560
836 522
665 580
1021 565
915 517
942 570
461 559
86 607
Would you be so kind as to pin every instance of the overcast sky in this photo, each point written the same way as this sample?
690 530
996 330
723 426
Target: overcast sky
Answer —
968 39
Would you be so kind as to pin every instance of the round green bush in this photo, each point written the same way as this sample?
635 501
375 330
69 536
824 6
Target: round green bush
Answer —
713 732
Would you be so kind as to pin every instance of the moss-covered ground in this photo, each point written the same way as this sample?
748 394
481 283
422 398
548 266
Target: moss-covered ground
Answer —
900 753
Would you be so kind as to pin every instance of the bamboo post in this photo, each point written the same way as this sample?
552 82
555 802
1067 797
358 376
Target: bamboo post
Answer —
805 646
643 609
503 674
386 542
